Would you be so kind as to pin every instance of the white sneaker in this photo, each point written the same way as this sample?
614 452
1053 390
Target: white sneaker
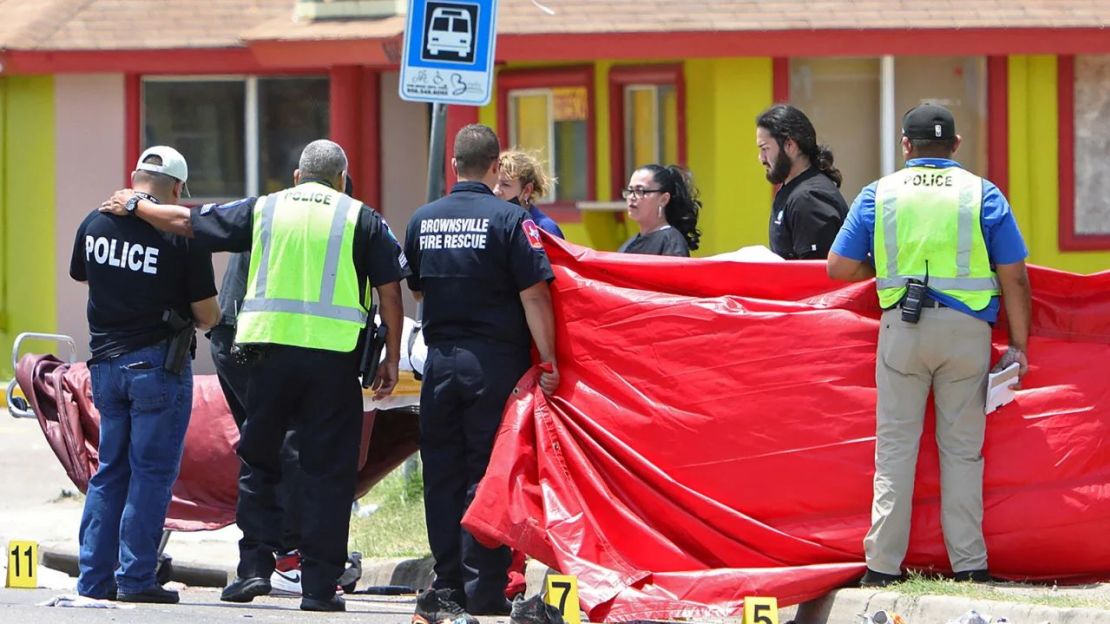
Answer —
286 583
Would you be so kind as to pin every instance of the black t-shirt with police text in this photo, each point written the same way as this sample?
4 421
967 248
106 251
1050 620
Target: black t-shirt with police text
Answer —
806 215
135 273
471 255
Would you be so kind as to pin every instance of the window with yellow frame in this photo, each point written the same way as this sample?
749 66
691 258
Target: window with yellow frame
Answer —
553 122
647 118
650 125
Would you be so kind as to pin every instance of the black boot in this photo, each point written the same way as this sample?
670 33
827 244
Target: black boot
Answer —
335 603
153 594
246 589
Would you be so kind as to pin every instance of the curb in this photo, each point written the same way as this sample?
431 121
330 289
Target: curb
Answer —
846 605
192 574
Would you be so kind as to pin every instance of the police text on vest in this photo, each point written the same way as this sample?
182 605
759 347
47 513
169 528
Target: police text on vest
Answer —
132 256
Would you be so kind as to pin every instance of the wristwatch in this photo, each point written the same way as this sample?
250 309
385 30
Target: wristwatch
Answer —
131 204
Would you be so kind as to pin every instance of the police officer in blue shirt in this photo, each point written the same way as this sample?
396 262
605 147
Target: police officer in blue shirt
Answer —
479 266
136 275
943 246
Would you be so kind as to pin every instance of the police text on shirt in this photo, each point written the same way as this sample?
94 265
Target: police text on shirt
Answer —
132 256
453 233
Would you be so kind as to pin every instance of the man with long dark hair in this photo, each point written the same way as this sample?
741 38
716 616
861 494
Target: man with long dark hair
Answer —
808 209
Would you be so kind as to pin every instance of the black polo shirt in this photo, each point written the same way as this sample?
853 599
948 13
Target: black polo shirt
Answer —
135 273
471 255
230 227
806 215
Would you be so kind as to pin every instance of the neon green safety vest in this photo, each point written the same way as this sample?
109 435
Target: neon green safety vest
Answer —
927 219
302 287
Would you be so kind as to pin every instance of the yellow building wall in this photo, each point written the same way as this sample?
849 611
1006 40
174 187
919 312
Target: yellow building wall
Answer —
723 97
1034 189
27 228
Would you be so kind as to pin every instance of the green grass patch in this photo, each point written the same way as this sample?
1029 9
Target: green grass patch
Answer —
397 528
918 585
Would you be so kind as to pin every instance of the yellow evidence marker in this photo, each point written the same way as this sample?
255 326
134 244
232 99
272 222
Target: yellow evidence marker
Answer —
759 610
562 593
23 564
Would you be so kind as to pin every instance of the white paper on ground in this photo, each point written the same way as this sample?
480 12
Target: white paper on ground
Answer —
999 390
81 602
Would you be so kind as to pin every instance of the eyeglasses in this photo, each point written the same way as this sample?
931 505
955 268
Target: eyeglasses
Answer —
639 193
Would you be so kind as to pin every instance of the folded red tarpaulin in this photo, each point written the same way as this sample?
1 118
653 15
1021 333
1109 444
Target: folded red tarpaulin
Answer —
206 489
713 438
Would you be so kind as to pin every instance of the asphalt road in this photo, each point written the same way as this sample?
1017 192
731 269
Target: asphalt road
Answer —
203 606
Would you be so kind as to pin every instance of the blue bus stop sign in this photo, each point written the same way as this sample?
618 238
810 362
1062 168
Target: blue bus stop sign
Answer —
448 53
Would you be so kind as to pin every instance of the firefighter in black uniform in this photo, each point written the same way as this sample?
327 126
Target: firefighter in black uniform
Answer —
315 243
479 265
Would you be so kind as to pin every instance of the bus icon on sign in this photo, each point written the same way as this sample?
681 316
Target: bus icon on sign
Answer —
449 32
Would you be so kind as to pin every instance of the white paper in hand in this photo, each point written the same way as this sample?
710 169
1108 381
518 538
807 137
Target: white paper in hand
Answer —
1000 387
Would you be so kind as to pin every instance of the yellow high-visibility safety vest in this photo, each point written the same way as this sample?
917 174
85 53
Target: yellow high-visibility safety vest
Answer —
302 287
927 219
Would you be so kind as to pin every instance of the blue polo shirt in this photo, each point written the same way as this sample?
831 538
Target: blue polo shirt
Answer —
545 223
1004 242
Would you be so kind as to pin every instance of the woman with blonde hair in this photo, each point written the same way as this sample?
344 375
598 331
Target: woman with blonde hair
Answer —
522 180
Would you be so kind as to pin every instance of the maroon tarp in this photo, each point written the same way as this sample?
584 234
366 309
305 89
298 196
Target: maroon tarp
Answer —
713 438
205 493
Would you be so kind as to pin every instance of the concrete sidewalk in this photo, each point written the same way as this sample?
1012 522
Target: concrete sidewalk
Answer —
33 487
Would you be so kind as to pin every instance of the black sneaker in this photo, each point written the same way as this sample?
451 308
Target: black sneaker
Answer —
335 603
878 579
246 589
534 611
154 594
974 576
434 606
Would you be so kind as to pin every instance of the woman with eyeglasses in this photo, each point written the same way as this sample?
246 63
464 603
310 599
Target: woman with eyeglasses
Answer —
664 203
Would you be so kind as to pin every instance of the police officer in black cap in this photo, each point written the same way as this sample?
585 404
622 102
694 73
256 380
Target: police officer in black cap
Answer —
479 265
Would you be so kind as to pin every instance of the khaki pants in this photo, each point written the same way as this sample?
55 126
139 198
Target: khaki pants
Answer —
948 351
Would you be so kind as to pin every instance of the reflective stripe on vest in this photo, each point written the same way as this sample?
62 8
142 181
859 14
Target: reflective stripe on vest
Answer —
920 198
330 318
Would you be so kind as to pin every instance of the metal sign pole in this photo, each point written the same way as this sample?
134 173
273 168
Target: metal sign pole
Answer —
437 164
437 148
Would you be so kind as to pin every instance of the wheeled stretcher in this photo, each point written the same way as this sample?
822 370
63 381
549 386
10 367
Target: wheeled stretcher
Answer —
58 394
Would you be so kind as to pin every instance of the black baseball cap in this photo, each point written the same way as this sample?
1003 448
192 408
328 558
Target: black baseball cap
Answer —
929 121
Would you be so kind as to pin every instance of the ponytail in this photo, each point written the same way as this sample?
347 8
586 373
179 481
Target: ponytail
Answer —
682 210
824 164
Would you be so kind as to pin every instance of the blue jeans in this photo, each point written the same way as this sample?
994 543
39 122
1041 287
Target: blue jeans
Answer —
144 412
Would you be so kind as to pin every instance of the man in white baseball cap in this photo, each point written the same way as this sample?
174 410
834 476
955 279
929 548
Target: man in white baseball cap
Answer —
138 278
169 162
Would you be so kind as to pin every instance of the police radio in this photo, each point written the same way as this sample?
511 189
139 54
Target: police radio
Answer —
914 299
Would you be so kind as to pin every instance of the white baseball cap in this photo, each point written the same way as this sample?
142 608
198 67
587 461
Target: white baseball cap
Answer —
173 163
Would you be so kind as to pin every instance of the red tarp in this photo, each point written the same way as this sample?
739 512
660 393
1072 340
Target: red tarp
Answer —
713 438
